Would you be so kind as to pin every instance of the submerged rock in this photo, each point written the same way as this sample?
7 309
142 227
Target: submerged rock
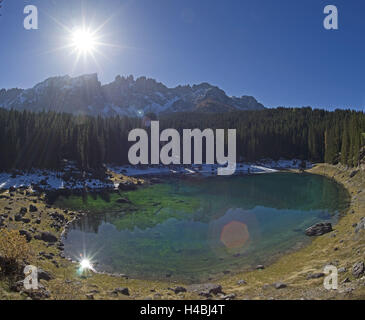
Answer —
319 229
122 200
155 180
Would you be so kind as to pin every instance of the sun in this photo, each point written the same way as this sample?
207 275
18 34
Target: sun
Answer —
83 41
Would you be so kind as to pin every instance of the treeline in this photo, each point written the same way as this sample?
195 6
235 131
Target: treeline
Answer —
43 140
315 135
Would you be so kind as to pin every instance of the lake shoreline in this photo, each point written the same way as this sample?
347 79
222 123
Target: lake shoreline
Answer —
70 177
258 283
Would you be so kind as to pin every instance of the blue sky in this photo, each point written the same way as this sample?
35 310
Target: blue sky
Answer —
277 51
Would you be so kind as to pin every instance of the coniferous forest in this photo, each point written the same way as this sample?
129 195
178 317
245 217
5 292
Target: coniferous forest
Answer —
43 140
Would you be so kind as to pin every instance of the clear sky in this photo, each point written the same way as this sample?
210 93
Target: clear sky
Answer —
275 50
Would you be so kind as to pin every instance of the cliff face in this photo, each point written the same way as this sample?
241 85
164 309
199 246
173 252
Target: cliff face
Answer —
123 96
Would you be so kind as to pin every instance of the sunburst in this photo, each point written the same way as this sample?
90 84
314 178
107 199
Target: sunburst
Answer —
83 41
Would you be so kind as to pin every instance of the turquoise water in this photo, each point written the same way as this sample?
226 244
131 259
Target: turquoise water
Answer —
234 224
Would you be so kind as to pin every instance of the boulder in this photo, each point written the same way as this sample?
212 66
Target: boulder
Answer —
228 296
33 208
44 275
124 291
360 226
353 173
342 270
26 234
2 261
18 217
280 285
319 229
47 237
315 275
17 286
358 269
209 289
178 290
39 294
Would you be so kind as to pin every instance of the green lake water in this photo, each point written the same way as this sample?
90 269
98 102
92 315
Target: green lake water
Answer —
198 229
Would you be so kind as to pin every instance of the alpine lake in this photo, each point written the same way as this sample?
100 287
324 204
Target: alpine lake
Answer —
198 229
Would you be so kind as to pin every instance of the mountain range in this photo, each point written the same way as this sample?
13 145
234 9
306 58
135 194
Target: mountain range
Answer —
124 96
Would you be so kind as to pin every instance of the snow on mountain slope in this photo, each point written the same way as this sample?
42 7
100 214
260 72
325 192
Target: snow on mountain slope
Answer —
124 96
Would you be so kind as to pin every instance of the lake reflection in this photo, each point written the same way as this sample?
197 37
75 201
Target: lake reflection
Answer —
232 224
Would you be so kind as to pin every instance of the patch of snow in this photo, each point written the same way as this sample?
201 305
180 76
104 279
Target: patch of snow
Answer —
48 180
53 180
264 166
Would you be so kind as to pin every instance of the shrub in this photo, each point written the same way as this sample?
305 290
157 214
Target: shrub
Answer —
13 250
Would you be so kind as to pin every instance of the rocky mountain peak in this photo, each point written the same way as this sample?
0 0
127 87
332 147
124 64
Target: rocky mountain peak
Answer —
124 96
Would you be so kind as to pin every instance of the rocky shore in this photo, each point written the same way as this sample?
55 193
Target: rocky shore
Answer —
298 275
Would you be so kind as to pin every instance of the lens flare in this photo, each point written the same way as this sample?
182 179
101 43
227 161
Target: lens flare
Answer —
235 235
85 264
